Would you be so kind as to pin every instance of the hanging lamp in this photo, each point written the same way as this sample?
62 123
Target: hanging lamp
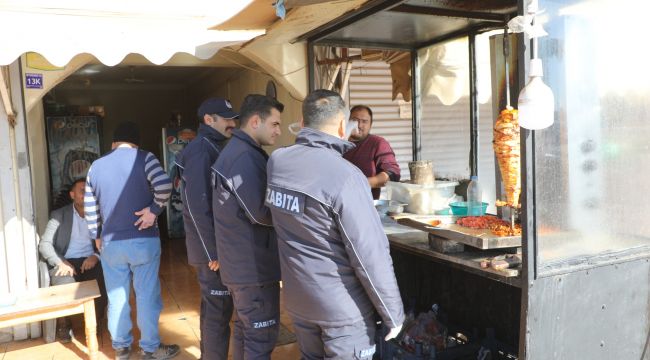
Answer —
536 102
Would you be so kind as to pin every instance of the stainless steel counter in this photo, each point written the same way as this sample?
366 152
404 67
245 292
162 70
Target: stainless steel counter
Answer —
416 242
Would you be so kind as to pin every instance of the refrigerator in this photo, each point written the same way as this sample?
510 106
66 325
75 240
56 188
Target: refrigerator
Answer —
175 140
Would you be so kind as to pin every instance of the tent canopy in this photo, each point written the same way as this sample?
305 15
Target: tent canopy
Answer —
110 30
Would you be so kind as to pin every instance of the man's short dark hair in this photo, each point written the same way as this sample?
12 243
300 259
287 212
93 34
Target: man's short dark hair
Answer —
260 105
321 107
77 180
127 131
362 107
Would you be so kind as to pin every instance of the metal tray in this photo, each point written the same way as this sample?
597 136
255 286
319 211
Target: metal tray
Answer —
479 238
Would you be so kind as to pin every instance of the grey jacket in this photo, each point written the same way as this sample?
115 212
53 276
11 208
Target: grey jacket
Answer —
334 255
56 238
246 242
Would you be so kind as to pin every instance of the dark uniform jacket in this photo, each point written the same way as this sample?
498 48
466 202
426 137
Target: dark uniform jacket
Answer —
336 265
245 237
194 165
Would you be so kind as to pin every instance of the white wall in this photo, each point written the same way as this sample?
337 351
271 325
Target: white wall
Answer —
18 253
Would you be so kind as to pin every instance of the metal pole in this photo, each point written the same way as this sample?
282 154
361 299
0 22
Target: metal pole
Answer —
473 107
310 66
415 107
528 216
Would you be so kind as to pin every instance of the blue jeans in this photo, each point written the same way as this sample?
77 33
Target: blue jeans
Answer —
139 259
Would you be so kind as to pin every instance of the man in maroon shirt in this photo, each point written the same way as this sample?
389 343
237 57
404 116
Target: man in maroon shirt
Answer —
373 155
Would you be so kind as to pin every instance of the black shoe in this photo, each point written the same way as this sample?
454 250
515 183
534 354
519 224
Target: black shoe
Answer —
64 334
122 353
163 352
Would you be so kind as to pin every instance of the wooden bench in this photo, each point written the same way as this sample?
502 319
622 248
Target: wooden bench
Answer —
57 301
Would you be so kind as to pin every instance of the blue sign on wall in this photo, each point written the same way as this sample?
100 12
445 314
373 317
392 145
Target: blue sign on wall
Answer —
34 81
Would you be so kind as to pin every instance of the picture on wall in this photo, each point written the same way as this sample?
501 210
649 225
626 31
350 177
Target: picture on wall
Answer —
73 144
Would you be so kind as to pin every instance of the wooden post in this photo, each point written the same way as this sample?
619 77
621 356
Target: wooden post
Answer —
91 329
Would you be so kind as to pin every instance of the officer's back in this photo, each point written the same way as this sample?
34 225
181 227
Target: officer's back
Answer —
336 267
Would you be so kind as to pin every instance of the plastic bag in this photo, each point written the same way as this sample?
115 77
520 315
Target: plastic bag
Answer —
427 331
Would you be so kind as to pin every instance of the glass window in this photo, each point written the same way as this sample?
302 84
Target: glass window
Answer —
592 166
444 110
485 65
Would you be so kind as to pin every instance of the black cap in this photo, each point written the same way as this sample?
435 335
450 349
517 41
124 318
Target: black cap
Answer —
219 106
127 131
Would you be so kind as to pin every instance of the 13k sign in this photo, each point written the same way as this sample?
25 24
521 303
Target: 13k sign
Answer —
34 81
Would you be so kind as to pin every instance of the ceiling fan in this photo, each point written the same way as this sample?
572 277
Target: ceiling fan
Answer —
132 79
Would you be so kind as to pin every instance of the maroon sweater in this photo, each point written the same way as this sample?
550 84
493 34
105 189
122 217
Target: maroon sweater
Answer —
373 155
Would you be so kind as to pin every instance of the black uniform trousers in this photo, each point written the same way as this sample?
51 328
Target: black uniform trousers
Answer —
216 312
257 320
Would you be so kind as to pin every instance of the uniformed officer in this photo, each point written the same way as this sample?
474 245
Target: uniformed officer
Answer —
245 237
217 121
336 265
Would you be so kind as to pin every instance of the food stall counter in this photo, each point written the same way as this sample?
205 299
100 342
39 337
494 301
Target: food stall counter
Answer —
416 242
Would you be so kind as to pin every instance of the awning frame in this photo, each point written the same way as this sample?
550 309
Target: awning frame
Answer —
6 96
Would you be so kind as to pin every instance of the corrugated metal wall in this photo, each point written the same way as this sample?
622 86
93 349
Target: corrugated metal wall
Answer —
18 241
445 129
371 84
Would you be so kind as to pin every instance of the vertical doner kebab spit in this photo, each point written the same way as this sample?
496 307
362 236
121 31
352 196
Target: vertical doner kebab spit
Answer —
507 150
507 146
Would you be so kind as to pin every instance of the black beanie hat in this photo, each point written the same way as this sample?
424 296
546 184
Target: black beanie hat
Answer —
127 131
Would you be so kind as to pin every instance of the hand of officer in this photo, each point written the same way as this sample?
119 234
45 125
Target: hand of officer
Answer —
98 244
65 269
146 220
213 265
89 263
393 333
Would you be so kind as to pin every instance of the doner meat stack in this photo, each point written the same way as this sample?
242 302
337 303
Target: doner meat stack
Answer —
507 150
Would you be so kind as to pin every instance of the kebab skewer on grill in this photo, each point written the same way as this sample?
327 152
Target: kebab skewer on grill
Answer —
507 144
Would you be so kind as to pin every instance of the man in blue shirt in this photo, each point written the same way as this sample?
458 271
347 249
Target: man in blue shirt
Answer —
217 120
126 190
248 251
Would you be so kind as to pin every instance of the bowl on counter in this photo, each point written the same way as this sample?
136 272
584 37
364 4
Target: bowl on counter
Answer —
422 199
460 208
391 207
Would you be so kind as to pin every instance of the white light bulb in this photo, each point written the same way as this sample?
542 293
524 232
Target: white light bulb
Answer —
536 103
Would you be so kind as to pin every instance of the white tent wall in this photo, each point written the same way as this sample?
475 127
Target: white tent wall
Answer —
37 143
287 61
18 242
34 63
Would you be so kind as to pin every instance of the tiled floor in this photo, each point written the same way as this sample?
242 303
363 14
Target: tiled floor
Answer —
179 321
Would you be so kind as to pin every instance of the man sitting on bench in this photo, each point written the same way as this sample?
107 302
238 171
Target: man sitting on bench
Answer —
71 254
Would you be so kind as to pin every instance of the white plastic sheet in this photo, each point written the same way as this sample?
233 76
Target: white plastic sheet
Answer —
157 29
